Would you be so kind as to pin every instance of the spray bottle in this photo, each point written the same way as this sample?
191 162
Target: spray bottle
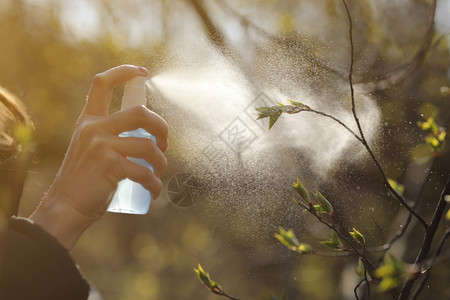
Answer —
131 197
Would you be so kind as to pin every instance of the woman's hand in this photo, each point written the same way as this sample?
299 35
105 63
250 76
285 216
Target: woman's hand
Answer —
96 159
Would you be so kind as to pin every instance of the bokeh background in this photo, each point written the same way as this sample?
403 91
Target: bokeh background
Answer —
51 49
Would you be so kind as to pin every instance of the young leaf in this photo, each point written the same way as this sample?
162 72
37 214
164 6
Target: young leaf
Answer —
300 203
436 136
358 237
300 189
392 273
287 238
324 203
210 284
299 104
333 242
206 280
319 210
304 248
273 113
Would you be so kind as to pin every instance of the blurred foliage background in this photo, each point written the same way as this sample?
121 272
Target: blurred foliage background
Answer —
51 49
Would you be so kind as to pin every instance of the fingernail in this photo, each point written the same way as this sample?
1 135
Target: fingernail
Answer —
166 146
143 70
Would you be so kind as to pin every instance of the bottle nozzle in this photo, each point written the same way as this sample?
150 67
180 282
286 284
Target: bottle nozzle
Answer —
135 93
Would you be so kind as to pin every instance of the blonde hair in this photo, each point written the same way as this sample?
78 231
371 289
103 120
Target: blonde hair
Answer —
14 124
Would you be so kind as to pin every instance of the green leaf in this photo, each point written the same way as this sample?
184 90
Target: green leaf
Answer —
273 119
299 104
287 238
392 273
388 283
274 112
430 125
300 189
436 136
319 210
358 237
300 203
304 248
206 280
333 242
441 136
324 203
330 243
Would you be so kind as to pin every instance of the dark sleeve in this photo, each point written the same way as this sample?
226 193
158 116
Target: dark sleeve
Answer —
33 265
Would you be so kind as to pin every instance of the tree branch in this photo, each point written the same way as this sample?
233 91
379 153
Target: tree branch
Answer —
406 224
363 139
429 235
433 259
406 70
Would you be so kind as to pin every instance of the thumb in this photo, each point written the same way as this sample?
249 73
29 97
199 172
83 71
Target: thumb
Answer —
100 92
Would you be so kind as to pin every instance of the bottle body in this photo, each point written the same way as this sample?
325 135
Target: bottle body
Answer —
131 197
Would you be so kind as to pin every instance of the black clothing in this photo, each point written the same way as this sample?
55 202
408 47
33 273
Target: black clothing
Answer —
33 265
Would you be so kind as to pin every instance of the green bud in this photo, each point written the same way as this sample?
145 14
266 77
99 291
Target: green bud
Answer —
392 273
333 242
304 248
300 189
358 237
324 203
300 204
287 238
319 210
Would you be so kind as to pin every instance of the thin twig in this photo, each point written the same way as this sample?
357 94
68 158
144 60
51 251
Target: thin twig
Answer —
429 235
344 237
404 71
365 277
336 120
355 290
433 259
406 224
363 139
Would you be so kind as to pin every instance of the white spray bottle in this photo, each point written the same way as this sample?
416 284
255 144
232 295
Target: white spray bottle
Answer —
131 197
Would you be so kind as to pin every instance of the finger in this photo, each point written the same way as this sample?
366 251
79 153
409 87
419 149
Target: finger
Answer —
100 92
144 176
134 118
141 148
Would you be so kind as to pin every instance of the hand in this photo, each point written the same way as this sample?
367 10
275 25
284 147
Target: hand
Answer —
96 159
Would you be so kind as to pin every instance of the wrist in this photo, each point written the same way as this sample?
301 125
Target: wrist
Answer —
61 220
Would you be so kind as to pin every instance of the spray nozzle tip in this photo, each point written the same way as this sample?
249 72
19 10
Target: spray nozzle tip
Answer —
138 80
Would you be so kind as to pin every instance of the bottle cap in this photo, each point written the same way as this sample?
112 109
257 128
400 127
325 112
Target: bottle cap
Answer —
135 93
